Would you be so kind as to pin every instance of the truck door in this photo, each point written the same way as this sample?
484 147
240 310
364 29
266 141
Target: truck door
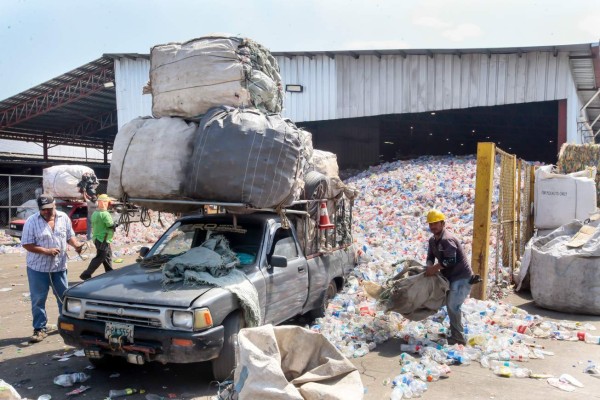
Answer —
287 288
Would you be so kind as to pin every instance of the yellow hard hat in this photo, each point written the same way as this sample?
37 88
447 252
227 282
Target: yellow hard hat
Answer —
104 197
435 216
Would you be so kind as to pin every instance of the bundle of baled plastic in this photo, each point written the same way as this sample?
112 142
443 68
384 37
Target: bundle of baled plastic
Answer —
187 79
61 181
151 160
245 156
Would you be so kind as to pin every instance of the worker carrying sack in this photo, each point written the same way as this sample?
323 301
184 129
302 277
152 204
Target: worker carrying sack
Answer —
64 181
245 156
151 160
187 79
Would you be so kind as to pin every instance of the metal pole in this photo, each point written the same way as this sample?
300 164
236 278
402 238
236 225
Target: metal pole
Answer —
9 197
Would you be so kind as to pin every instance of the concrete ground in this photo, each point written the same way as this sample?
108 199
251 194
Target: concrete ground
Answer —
31 368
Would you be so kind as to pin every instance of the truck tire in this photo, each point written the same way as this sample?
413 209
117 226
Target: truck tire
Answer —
329 294
315 187
224 365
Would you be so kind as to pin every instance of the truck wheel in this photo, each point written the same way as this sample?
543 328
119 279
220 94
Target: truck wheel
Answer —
224 366
329 294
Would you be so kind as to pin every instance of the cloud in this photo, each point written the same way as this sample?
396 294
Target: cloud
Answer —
375 45
591 25
431 22
462 32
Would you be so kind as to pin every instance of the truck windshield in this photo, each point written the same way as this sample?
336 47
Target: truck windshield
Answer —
244 239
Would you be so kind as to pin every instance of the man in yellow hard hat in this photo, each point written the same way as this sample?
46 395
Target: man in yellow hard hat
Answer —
452 263
103 229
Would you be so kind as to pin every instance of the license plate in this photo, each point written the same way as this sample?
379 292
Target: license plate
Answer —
114 331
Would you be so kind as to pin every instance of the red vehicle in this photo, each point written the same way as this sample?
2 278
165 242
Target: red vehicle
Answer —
77 211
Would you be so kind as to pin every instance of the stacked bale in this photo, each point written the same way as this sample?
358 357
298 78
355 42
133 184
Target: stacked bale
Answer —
578 157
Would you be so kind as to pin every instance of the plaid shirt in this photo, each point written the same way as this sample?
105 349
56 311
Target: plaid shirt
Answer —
37 231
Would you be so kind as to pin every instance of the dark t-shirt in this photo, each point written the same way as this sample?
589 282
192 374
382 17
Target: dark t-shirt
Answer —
449 253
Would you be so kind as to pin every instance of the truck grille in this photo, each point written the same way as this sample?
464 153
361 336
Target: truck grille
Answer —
126 314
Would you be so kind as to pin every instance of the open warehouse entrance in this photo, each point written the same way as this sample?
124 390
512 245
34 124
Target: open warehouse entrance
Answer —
529 130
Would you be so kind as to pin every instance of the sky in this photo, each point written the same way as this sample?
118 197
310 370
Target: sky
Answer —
41 39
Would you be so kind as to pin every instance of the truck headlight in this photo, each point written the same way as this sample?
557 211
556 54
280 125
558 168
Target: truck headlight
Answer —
183 319
202 319
73 306
13 226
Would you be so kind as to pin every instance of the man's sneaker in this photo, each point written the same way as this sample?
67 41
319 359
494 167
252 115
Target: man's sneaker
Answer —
38 336
50 329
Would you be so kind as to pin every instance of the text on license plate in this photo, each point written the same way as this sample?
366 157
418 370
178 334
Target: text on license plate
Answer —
114 330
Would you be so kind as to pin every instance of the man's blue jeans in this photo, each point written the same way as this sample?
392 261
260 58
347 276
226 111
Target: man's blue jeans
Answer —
459 290
39 285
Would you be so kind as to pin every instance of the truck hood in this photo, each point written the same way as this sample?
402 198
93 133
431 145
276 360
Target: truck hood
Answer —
134 284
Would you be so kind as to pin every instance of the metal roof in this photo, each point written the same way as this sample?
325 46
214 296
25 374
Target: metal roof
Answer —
79 107
76 108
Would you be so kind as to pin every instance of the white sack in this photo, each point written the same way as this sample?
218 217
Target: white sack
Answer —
559 198
291 362
187 79
326 163
151 160
566 279
60 181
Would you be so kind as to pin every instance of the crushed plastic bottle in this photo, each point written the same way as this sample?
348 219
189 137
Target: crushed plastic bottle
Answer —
67 380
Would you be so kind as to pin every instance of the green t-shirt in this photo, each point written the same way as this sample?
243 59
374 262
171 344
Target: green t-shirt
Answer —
102 224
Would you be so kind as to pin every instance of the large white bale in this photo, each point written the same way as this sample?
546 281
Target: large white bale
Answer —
187 79
559 198
61 181
151 159
326 163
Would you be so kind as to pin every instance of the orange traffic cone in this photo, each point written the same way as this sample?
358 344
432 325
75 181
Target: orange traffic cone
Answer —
324 222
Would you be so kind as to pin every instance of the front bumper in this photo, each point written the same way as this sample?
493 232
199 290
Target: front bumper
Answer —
13 232
150 343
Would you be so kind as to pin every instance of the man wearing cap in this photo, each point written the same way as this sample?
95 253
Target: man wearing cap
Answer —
45 237
103 229
453 264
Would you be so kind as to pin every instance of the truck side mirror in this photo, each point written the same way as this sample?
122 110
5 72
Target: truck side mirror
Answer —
278 261
143 251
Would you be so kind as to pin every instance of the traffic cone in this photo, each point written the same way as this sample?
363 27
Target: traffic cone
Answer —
324 222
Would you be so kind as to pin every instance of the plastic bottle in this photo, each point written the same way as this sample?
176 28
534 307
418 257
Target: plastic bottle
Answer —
67 380
593 339
497 363
397 393
410 348
120 393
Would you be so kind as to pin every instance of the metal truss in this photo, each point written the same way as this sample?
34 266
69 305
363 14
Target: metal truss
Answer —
89 127
67 93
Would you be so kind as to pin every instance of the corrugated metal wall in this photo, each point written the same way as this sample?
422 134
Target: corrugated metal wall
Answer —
130 77
318 77
392 84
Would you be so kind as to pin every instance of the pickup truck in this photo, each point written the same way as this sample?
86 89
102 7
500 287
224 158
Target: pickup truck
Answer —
129 314
77 212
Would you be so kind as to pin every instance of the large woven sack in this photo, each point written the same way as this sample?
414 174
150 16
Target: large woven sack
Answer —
565 278
151 160
187 79
61 181
245 156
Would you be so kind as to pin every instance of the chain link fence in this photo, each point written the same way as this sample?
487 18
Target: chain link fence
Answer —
510 226
18 194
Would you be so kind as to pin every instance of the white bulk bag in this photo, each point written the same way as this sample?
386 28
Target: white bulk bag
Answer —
60 181
187 79
566 278
151 159
559 198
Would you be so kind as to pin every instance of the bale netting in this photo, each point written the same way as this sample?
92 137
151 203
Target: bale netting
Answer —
577 157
